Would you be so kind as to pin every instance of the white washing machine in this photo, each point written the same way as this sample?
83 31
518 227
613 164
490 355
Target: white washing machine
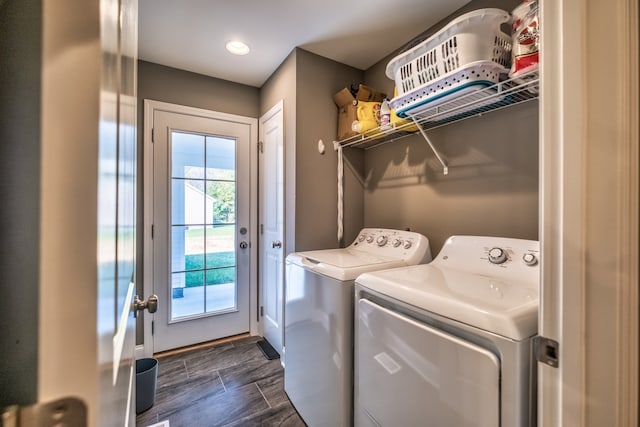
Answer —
449 343
318 334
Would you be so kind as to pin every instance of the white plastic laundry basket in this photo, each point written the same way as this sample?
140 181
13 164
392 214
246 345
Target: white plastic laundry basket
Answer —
470 52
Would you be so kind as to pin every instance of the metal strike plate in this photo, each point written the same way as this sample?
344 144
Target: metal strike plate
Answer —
68 412
546 351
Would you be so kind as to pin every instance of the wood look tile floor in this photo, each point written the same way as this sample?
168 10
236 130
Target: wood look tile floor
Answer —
228 384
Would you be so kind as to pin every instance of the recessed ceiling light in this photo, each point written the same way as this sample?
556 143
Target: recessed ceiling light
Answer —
237 47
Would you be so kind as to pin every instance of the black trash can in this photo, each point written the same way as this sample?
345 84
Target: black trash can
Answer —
146 380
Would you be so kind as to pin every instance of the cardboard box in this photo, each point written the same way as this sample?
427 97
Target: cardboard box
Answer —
347 104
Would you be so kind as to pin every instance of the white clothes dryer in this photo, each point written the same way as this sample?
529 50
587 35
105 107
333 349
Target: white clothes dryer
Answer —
318 334
449 343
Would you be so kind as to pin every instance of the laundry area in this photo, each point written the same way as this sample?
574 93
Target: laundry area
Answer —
381 168
410 251
420 149
430 222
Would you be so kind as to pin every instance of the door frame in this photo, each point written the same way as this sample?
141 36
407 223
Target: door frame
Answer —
150 106
589 212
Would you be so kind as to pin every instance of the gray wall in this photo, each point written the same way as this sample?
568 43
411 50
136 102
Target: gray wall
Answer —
492 186
318 79
20 125
306 82
166 84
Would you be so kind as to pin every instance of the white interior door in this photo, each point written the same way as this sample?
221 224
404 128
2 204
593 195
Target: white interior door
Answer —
118 388
272 225
87 211
201 223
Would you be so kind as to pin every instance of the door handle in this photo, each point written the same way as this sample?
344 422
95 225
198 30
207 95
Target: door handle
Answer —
151 304
276 244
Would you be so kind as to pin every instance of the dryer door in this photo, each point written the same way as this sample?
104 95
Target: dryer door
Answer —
409 374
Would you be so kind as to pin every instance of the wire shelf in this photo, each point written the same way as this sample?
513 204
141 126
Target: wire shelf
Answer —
470 104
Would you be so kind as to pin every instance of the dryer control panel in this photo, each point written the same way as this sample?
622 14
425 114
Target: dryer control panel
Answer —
397 244
493 256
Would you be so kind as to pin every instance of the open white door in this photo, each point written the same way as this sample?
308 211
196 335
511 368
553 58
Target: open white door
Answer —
117 241
88 209
272 225
589 212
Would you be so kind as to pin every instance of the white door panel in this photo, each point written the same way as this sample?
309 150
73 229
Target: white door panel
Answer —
272 229
88 205
271 299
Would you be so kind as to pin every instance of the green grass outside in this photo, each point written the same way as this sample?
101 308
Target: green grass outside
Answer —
220 268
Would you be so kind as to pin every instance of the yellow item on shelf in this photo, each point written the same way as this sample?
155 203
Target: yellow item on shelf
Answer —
368 114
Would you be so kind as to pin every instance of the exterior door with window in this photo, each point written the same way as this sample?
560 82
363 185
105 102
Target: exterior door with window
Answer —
201 216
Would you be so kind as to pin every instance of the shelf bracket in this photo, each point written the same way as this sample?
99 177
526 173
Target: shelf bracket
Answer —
445 168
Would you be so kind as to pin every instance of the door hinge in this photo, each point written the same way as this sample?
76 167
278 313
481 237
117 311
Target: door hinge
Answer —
260 146
152 230
261 228
68 411
153 135
546 351
261 311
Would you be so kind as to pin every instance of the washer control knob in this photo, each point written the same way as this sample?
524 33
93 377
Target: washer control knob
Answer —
369 239
361 238
381 240
530 259
396 242
497 256
407 244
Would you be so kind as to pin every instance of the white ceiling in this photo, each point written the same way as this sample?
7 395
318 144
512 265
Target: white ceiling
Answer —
191 34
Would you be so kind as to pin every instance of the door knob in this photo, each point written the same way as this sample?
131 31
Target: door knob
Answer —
151 304
244 245
276 244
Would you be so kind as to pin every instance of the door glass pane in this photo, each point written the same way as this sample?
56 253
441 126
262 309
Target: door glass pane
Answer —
224 208
187 297
203 225
187 155
221 289
221 158
189 202
220 267
186 248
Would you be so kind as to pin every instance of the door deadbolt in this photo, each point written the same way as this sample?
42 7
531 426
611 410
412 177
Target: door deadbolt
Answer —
151 304
244 245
